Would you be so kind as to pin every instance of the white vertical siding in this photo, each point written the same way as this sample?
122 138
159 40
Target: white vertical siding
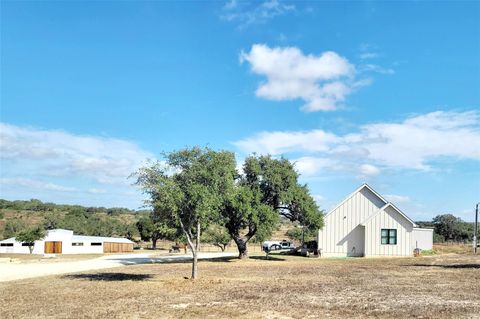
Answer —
67 238
422 238
342 234
388 219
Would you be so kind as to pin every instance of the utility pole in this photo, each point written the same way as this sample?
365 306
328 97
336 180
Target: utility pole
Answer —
475 232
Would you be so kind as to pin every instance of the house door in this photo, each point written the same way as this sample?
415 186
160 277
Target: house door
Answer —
53 247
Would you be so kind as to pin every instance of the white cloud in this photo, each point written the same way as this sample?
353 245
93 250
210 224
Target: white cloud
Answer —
367 170
310 165
245 14
288 141
376 68
323 82
96 191
410 144
368 55
35 184
59 153
397 198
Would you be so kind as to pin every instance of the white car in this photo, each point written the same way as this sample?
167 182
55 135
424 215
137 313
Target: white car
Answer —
276 245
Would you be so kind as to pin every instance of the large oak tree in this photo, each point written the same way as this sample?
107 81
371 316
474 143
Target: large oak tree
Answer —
267 188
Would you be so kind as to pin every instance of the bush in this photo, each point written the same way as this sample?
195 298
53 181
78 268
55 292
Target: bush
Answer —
428 252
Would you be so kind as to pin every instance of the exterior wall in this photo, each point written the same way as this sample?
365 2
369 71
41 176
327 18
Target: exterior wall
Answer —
422 238
67 238
390 219
342 234
67 248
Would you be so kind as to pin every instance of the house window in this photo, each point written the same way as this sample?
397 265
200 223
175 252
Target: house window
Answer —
77 244
27 244
95 244
389 237
6 245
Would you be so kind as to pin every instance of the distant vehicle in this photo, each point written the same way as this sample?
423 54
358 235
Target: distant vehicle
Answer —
276 245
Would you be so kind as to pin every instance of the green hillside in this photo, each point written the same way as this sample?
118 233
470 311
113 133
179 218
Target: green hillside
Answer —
94 221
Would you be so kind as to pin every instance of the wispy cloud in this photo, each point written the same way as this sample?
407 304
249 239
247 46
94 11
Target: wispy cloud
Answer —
246 14
368 55
39 163
35 184
376 68
413 143
322 81
60 153
397 198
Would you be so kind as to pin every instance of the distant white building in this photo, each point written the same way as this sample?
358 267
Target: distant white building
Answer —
62 241
365 224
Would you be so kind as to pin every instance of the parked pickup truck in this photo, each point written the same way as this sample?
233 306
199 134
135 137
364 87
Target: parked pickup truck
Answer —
276 245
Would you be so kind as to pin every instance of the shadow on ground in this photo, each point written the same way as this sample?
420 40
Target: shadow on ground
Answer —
453 266
113 276
269 258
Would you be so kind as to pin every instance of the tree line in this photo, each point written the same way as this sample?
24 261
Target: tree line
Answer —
449 228
39 206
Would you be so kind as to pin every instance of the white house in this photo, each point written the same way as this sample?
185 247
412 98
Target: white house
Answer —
365 224
62 241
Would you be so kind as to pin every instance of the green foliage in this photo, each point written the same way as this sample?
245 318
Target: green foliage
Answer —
451 228
217 235
92 221
277 181
428 252
13 227
296 233
37 205
151 229
266 190
189 188
29 236
437 238
2 215
243 210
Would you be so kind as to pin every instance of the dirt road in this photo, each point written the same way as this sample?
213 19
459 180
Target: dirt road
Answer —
15 271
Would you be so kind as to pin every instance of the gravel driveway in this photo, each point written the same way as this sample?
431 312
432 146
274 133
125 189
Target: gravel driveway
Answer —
15 271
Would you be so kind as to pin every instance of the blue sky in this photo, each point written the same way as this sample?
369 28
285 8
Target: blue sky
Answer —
378 92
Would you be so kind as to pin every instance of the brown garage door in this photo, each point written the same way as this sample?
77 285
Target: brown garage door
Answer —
117 247
53 247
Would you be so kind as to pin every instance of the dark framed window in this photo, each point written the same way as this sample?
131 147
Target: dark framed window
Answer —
95 244
77 244
27 244
389 237
6 245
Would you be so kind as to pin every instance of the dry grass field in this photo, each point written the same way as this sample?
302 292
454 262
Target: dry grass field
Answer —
441 286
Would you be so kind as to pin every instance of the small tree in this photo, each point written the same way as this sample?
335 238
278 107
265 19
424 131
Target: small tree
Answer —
154 230
187 190
13 227
29 237
217 235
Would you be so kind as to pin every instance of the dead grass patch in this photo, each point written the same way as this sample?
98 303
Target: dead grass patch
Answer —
295 287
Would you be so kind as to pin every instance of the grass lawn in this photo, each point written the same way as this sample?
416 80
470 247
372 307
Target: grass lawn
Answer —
440 286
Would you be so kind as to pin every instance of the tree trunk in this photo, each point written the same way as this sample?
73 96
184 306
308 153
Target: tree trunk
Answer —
194 266
154 243
193 247
30 248
242 247
197 243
